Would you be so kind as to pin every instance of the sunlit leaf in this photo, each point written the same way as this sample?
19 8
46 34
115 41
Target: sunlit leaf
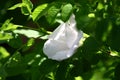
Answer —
15 6
5 24
9 26
5 36
28 33
39 11
100 6
78 78
29 44
3 52
26 7
52 13
29 4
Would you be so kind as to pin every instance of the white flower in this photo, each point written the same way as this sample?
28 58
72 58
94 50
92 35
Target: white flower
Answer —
63 42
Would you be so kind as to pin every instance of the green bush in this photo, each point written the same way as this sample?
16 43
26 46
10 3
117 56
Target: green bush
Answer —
25 26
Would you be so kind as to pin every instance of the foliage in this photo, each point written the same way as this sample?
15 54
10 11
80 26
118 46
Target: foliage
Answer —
25 26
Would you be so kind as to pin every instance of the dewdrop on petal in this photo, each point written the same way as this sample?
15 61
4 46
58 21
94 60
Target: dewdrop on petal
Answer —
64 40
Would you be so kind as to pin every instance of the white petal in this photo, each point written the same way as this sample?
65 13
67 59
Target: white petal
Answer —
51 47
72 21
58 53
57 32
64 40
61 55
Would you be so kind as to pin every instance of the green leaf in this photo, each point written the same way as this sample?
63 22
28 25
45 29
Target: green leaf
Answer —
5 36
5 24
3 52
26 7
29 3
100 6
15 6
9 26
52 13
66 11
25 10
29 44
78 78
28 33
39 11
